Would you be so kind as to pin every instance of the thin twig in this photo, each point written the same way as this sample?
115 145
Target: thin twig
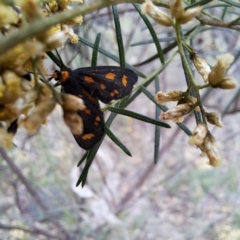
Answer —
33 193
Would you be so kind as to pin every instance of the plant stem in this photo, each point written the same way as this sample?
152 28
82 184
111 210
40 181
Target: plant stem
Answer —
188 69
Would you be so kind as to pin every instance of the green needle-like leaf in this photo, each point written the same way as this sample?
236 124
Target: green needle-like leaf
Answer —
157 128
232 3
152 32
91 155
138 116
95 50
119 37
117 141
83 158
198 3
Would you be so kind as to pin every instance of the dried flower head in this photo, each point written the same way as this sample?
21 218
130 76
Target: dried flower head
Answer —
156 14
177 112
161 97
211 150
198 135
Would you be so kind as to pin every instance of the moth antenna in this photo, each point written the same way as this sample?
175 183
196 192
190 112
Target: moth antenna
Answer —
62 67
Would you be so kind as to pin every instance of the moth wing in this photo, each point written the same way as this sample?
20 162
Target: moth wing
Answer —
106 82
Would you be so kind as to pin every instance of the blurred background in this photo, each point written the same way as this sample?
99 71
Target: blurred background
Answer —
179 198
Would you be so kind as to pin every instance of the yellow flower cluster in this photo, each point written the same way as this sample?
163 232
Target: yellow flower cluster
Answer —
25 100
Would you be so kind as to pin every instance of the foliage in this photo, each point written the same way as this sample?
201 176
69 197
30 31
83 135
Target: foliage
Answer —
181 33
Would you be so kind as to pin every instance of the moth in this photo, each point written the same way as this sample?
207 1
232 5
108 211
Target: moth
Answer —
104 83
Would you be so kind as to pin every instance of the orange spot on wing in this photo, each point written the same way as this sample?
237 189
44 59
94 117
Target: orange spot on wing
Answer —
102 86
97 119
124 80
88 79
89 96
110 76
112 94
87 136
116 91
87 111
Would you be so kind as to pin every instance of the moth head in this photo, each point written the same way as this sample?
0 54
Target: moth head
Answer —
61 76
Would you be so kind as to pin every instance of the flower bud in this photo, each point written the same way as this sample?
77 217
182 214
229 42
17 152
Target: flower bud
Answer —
177 10
198 135
161 97
74 122
177 112
201 65
189 15
226 83
156 14
213 118
219 70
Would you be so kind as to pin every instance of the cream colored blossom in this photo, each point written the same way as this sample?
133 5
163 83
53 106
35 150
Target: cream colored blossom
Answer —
70 33
161 97
156 14
57 40
18 55
7 15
